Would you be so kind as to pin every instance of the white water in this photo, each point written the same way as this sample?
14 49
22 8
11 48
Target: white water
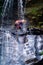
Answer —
16 53
6 6
7 12
20 9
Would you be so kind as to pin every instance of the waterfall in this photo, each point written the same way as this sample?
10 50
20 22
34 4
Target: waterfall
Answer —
6 6
20 9
7 11
17 49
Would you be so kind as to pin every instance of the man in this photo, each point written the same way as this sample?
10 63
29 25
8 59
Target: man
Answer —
20 26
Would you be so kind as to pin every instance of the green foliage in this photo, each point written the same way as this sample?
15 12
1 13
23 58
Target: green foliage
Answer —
41 53
34 12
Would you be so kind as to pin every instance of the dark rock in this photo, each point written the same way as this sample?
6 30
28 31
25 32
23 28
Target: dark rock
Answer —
39 63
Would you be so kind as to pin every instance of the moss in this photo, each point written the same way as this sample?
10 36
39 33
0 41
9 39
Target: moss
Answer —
34 9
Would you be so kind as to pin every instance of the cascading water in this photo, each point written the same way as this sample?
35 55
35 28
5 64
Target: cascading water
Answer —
7 13
8 41
6 7
20 9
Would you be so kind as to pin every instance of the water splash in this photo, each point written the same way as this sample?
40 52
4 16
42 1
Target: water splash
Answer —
20 53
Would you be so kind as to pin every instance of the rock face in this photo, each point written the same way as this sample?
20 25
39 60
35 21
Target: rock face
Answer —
39 63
